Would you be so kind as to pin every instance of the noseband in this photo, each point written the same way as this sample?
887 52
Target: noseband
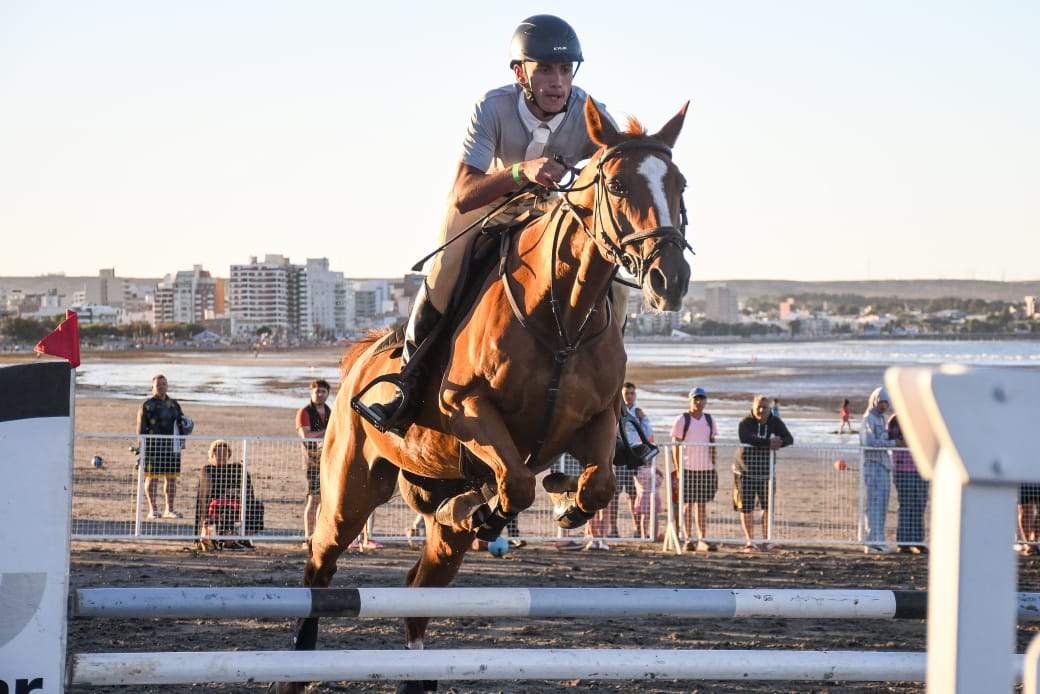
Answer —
621 249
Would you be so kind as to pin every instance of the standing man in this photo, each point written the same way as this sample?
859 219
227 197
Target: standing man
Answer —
695 467
873 435
311 422
518 135
632 416
762 434
160 416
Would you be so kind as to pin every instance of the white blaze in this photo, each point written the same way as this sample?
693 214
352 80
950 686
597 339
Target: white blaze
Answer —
654 170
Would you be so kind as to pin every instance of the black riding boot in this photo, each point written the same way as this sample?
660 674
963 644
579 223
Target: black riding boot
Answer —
421 321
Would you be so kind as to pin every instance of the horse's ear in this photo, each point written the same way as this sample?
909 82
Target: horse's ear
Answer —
670 132
601 130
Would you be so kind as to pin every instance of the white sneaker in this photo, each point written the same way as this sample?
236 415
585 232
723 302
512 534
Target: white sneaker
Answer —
877 549
154 515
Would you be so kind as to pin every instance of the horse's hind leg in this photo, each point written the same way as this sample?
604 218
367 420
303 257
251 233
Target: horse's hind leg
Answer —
347 502
441 558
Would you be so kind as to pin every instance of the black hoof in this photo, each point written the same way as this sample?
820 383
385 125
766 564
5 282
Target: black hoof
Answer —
573 517
416 687
492 526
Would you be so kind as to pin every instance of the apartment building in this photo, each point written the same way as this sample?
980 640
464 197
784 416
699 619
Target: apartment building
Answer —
190 296
304 301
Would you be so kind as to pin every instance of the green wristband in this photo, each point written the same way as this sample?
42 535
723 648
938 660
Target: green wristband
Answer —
516 174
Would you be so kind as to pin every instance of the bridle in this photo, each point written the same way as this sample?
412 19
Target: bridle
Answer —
612 248
620 249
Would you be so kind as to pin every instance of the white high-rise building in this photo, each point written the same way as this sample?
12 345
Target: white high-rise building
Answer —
325 309
264 295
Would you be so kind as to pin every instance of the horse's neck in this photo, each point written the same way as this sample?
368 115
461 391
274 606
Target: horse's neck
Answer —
573 273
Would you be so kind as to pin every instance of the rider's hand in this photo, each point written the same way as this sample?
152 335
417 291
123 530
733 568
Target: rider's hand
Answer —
544 171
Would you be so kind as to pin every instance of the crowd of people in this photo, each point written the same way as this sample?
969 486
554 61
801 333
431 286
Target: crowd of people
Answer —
223 486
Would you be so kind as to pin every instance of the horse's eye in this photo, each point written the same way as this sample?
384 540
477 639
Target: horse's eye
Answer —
616 187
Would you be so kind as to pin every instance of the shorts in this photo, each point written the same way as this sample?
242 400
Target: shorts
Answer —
625 481
751 489
1028 494
164 465
313 480
699 486
644 491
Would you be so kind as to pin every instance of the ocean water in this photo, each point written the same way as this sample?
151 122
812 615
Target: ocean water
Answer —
825 371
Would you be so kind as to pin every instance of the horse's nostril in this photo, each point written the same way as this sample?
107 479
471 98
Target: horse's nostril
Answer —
658 282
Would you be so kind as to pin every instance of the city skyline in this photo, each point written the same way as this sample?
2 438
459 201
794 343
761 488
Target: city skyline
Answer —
825 141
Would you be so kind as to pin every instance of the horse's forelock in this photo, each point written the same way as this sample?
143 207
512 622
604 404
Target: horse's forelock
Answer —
635 128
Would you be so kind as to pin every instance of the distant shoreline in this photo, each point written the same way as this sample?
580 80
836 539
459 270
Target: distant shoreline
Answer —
294 353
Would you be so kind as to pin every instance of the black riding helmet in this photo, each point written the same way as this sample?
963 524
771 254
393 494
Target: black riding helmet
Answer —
544 38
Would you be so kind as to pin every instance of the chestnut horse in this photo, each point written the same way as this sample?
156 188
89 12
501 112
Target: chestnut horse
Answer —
533 369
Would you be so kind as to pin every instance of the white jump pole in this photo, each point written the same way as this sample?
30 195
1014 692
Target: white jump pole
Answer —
110 669
606 603
971 434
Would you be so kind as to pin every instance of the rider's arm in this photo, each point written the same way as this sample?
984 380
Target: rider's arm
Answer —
473 188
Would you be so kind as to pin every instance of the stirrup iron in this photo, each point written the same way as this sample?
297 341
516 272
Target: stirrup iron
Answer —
392 425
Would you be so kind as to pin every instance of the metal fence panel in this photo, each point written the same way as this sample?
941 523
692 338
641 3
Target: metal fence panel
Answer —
813 501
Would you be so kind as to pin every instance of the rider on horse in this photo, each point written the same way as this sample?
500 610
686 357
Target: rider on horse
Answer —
521 134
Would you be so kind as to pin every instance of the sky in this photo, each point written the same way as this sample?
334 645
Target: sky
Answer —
826 139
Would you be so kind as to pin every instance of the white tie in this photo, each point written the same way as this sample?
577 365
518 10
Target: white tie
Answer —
538 139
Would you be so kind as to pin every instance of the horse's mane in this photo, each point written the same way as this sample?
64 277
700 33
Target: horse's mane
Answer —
357 348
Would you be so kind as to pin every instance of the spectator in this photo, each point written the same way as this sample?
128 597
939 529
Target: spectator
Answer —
846 422
1028 519
695 465
762 434
647 506
311 422
632 416
912 491
161 422
873 435
218 502
774 408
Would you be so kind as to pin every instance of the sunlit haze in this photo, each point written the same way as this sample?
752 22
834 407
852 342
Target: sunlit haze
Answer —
825 140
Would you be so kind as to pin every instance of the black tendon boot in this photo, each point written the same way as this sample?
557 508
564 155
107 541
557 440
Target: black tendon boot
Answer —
394 415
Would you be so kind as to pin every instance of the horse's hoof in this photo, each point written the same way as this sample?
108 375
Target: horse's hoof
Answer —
559 483
464 512
416 687
572 516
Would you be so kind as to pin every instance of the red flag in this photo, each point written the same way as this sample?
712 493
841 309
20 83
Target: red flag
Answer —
63 341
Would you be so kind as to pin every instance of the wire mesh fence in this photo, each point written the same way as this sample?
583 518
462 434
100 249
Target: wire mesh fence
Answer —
816 496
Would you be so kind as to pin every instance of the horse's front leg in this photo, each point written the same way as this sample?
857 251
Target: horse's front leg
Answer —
576 500
479 426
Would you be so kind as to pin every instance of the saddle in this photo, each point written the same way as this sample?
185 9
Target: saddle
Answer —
481 256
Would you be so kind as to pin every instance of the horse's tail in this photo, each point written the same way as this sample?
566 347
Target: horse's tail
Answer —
357 348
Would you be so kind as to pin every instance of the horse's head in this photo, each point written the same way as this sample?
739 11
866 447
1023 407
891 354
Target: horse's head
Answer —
638 217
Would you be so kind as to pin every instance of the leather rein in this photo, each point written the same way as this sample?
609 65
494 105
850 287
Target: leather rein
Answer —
615 250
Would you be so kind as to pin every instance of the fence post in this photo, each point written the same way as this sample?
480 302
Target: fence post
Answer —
139 511
970 431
